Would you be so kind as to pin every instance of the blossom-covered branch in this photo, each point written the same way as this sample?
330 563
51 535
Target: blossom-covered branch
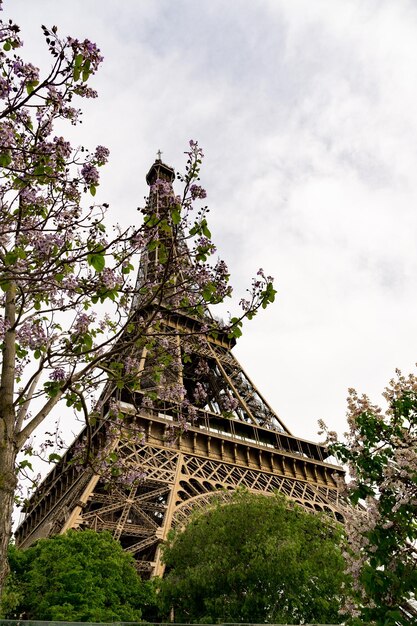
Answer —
380 450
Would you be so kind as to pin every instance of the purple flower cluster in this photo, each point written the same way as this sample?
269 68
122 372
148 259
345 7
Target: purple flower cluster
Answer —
90 174
43 243
206 244
197 191
101 155
173 393
200 395
85 92
62 147
6 132
88 49
29 72
4 325
267 279
131 365
201 368
195 152
109 278
162 187
32 334
58 374
4 88
229 404
82 323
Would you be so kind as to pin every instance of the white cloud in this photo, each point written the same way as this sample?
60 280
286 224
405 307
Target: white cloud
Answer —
306 111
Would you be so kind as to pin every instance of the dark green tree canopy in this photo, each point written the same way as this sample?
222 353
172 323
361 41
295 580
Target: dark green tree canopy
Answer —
255 560
80 576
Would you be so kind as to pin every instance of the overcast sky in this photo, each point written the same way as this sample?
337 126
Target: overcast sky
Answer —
307 113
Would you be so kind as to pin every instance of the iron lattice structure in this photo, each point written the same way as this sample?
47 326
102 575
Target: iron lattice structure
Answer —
222 449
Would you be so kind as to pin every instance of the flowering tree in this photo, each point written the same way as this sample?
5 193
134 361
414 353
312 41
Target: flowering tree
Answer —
381 529
59 269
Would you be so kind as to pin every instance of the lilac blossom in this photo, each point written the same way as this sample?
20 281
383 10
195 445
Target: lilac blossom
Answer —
4 325
199 394
25 70
82 322
32 334
62 147
90 174
58 374
109 278
197 192
101 155
228 403
162 187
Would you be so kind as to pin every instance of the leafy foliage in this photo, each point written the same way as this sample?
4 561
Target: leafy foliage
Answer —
380 451
81 576
254 560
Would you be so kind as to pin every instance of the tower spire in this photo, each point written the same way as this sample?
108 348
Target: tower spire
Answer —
161 171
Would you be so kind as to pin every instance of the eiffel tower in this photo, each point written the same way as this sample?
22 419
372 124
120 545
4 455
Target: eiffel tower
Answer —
234 440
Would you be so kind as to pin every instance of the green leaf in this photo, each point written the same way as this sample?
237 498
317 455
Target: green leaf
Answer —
25 463
86 70
97 261
93 190
5 159
235 331
76 74
39 170
151 220
208 291
11 257
176 215
52 388
88 341
268 296
21 353
7 46
54 457
205 229
78 60
31 86
165 227
162 253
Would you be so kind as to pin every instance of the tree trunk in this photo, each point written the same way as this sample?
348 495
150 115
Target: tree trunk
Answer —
8 448
8 483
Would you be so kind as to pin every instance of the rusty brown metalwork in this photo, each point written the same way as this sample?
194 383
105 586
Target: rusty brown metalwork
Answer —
220 451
